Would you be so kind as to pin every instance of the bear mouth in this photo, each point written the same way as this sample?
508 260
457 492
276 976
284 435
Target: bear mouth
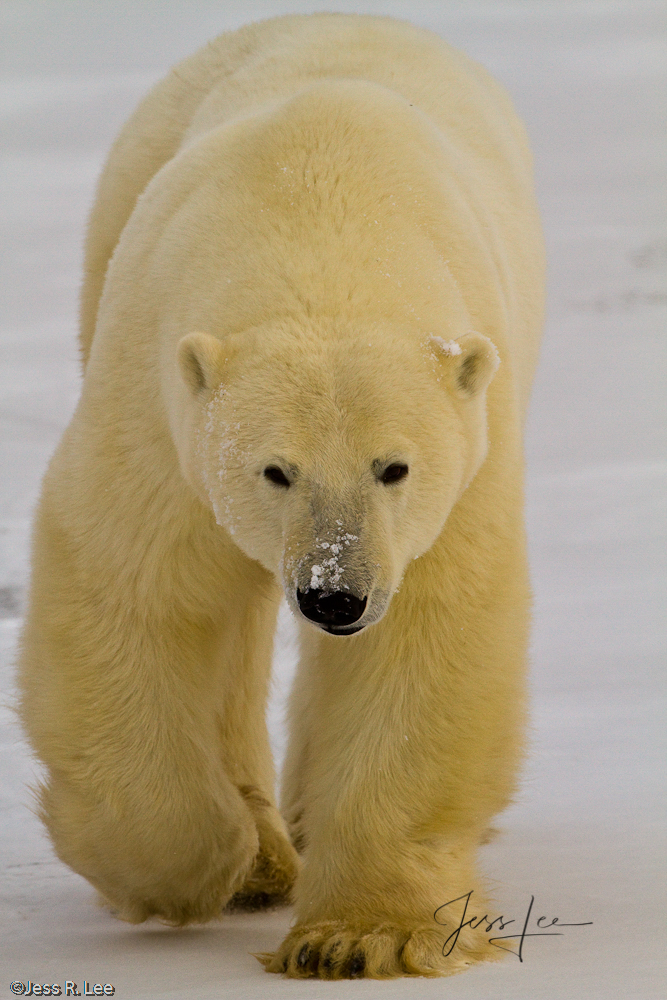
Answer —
350 630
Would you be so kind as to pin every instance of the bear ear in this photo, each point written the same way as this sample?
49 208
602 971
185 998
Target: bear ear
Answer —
472 362
200 358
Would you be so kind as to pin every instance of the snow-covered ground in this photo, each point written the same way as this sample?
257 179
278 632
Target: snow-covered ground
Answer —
585 835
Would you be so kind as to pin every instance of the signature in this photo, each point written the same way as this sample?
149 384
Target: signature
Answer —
500 923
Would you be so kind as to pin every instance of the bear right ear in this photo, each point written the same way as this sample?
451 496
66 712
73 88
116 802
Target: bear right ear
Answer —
200 358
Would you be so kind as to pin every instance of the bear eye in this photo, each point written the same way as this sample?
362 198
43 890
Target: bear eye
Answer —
276 475
394 473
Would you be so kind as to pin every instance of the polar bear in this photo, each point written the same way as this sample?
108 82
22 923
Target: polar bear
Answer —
312 305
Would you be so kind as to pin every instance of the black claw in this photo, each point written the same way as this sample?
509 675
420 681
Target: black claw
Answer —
303 959
332 957
357 966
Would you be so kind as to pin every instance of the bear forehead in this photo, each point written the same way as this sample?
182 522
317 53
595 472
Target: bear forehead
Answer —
364 371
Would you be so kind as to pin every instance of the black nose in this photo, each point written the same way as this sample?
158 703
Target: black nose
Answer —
334 611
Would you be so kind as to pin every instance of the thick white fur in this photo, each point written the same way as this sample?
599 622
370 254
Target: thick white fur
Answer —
310 245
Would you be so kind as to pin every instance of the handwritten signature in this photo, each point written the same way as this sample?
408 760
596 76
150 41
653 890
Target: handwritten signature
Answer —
501 923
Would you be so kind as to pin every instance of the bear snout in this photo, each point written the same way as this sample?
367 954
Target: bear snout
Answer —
336 612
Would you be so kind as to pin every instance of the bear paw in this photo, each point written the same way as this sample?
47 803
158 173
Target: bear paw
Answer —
267 885
336 950
270 880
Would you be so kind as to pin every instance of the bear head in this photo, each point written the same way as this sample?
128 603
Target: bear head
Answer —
333 459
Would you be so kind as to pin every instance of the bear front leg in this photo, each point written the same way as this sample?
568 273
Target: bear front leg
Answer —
150 722
407 740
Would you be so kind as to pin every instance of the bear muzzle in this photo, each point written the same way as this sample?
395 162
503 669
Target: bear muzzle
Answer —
334 611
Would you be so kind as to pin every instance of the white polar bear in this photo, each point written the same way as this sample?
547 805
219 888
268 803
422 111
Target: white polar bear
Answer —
311 245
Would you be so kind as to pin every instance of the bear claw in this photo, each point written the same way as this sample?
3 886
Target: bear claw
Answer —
357 966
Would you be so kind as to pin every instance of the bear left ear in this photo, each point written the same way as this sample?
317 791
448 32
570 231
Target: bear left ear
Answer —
474 361
200 358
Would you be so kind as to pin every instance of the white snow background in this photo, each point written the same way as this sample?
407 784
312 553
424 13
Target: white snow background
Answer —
586 832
